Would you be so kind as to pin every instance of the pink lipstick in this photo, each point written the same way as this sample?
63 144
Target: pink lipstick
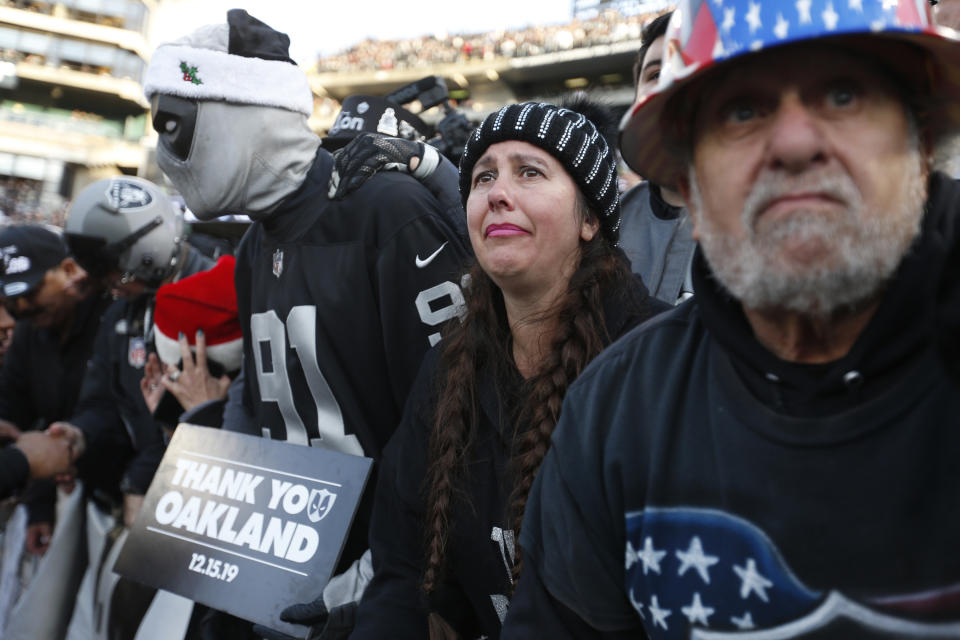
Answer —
503 230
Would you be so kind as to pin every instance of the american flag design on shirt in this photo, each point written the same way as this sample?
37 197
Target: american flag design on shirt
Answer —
706 574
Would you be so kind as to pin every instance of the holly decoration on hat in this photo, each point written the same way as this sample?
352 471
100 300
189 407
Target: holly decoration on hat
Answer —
189 73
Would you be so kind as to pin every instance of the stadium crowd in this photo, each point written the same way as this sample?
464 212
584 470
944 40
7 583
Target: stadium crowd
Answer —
724 401
609 26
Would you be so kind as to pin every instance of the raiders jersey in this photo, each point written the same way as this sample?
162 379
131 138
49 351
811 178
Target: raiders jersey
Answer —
338 301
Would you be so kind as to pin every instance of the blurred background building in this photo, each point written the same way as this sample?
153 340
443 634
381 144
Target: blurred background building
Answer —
594 52
72 108
71 104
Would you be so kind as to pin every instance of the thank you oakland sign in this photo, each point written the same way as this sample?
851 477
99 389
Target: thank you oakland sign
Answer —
244 524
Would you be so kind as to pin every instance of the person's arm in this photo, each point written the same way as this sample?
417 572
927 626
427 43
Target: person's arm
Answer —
15 379
369 153
236 416
33 454
417 276
96 414
14 470
240 412
393 603
40 499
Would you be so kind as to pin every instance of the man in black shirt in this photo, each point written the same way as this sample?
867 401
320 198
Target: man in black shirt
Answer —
777 455
58 310
129 235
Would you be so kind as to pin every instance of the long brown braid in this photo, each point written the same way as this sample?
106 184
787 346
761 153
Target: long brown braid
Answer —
481 342
466 348
581 335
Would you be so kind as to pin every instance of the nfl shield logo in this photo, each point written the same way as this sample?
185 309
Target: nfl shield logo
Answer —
137 352
277 262
320 504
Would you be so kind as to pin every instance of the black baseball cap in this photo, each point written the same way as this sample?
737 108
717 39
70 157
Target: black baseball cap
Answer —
370 114
28 252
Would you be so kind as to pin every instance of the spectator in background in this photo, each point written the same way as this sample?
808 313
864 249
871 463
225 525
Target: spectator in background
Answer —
58 312
657 234
606 27
127 233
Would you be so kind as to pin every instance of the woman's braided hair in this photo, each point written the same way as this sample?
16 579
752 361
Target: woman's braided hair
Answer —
481 342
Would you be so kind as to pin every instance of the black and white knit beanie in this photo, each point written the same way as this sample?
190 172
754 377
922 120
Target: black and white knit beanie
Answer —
243 61
567 135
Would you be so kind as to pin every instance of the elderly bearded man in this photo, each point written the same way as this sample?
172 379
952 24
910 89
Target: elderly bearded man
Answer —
779 454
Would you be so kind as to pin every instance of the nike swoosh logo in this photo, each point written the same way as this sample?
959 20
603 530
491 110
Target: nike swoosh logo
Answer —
422 263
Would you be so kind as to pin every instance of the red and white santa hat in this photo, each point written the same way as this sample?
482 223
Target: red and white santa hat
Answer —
207 301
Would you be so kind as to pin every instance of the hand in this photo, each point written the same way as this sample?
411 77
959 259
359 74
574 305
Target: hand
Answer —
46 455
369 153
193 385
151 385
8 430
335 624
38 537
69 434
131 507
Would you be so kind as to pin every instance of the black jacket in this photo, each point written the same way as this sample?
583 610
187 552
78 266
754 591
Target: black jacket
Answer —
40 382
14 470
41 377
481 547
338 302
698 481
117 426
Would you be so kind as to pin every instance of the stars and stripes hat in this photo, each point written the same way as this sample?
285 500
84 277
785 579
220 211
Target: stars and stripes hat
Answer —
569 136
243 61
705 33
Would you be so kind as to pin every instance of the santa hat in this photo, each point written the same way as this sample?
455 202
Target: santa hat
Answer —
244 61
207 301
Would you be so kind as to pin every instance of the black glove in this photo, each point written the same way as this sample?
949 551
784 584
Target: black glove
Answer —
369 153
335 624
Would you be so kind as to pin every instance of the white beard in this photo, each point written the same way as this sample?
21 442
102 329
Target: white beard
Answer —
861 248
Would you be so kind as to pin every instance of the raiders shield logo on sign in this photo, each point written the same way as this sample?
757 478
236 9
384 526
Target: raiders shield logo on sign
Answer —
277 262
137 352
320 504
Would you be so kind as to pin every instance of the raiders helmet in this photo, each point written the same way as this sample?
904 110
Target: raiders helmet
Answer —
126 225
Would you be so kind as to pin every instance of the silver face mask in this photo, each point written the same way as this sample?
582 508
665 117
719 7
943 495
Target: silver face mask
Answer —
243 159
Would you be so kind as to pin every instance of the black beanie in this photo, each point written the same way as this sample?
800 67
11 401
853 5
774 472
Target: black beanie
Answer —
567 135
